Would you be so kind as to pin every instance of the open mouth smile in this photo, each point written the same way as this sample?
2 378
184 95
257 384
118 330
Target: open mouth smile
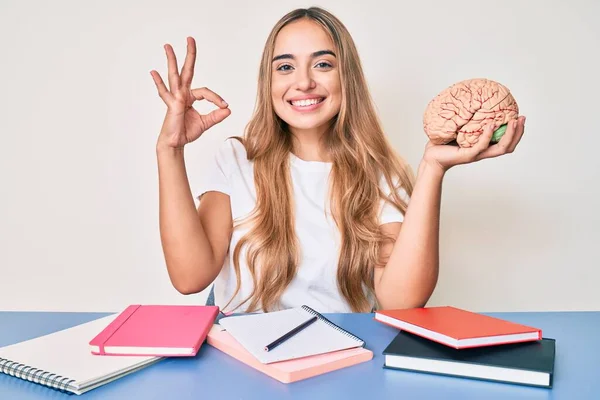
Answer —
306 104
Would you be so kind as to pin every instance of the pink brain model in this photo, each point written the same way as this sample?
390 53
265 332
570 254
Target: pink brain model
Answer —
460 112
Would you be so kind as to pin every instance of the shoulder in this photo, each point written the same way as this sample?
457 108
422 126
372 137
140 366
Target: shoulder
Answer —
232 148
231 154
396 186
391 210
227 164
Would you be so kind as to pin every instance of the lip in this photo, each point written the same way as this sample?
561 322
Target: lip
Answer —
307 97
312 107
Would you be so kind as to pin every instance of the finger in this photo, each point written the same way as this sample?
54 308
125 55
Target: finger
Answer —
502 146
163 92
469 154
485 138
206 93
187 72
482 144
173 72
518 134
215 116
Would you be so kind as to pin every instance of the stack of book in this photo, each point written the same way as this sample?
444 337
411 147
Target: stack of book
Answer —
89 355
455 342
288 345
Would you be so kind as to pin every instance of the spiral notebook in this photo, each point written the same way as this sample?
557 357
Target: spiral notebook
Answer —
291 370
62 360
255 331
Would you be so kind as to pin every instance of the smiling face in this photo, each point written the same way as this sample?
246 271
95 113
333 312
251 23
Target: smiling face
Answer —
305 87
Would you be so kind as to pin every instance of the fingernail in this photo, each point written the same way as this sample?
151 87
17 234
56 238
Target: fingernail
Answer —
224 103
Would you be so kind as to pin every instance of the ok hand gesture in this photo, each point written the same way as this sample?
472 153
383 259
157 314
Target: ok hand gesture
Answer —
182 123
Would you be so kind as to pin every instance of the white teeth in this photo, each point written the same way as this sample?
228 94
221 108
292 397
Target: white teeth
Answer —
304 103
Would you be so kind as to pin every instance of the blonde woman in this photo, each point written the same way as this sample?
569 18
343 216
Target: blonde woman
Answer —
310 205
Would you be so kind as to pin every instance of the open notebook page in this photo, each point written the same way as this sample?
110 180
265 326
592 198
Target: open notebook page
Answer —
66 353
255 331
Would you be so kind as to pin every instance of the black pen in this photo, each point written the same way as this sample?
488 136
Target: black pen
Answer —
288 335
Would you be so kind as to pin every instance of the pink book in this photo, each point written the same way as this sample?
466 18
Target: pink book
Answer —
156 330
291 370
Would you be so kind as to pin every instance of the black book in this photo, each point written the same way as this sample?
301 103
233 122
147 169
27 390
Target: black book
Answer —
529 363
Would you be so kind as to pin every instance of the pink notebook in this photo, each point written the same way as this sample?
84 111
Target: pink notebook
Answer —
156 330
292 370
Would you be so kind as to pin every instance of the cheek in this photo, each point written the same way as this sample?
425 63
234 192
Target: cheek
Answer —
333 86
277 94
336 87
335 91
277 89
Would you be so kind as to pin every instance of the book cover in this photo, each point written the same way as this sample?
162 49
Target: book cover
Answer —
61 360
156 330
528 363
255 331
458 328
291 370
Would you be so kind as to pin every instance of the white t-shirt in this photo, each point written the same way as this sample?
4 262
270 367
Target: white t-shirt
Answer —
315 283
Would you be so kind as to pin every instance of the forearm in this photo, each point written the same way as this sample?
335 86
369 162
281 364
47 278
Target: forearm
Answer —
186 248
411 273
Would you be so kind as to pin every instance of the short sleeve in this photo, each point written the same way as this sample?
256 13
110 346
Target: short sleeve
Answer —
387 211
216 177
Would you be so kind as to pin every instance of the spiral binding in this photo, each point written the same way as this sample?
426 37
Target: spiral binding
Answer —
35 375
331 324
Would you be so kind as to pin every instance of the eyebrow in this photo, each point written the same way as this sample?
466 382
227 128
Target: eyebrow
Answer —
313 55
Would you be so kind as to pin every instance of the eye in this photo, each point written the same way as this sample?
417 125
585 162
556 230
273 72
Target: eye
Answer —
324 64
284 67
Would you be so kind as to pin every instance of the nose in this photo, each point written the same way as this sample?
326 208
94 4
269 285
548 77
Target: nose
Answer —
305 80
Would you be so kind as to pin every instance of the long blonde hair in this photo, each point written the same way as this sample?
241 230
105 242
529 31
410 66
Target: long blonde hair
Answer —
361 155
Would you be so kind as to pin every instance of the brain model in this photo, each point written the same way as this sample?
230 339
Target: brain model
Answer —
460 112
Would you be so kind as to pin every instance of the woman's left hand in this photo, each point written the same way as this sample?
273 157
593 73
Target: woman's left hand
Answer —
447 156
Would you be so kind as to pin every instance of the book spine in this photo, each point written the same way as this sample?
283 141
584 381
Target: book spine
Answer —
36 375
204 333
331 324
113 327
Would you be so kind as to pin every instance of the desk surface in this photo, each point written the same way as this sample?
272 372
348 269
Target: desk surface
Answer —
214 375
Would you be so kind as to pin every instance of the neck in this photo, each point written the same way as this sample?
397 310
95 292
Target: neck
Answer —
309 144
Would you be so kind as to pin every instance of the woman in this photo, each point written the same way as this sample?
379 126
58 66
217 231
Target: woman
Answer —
311 205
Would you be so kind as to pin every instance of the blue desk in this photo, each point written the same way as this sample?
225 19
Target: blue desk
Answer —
214 375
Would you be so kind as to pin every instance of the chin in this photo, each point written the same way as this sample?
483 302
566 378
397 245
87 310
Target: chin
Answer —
306 120
306 125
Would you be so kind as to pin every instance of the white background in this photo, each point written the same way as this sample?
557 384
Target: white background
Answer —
80 116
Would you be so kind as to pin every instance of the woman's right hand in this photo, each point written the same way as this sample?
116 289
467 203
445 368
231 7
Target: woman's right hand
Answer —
183 124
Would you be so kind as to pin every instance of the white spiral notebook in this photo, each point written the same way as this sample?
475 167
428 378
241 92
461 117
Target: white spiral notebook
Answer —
255 331
62 360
